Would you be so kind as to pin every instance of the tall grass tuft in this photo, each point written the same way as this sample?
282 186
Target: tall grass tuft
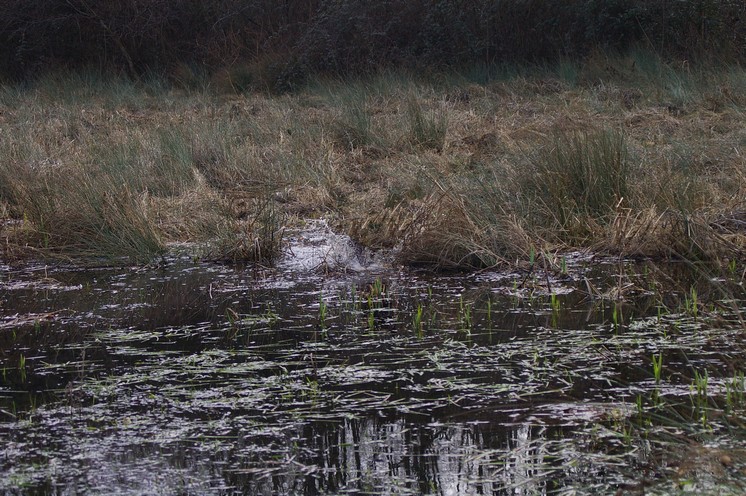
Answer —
256 238
426 129
578 180
75 214
173 164
354 128
460 221
489 197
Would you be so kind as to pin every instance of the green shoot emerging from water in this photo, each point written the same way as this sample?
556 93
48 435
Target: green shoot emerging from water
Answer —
465 316
417 321
22 367
700 397
690 303
371 321
616 317
657 367
322 312
734 391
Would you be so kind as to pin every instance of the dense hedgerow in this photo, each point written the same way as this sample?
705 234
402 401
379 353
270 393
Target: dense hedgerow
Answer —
282 42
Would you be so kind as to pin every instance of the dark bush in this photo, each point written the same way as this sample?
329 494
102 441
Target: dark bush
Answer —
343 36
139 36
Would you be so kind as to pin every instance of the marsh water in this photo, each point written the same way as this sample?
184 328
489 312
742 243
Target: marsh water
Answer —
337 372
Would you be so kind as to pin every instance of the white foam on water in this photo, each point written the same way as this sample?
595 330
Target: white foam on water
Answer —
315 247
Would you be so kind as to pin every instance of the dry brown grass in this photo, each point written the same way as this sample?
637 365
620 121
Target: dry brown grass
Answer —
437 171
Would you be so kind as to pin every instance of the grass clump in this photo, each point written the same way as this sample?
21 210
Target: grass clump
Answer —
75 214
354 129
579 180
257 237
426 129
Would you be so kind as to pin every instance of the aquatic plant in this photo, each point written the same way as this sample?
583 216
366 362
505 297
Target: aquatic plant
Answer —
554 302
691 306
371 321
464 315
377 289
734 391
322 311
417 323
22 367
700 396
657 361
616 316
233 318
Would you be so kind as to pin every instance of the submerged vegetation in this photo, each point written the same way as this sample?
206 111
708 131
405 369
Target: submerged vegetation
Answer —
203 378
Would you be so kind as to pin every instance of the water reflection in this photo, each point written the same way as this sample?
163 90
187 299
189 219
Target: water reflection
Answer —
193 378
368 455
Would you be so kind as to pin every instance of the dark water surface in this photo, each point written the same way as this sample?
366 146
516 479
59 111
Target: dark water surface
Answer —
196 378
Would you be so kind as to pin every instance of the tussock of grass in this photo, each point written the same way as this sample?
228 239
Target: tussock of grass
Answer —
448 235
253 233
354 129
426 129
76 214
577 182
626 154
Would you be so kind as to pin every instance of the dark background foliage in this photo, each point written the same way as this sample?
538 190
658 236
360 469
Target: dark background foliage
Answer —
297 37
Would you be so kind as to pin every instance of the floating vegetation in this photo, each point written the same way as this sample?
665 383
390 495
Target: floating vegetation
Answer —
192 377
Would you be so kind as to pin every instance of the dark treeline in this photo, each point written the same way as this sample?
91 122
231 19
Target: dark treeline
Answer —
284 40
